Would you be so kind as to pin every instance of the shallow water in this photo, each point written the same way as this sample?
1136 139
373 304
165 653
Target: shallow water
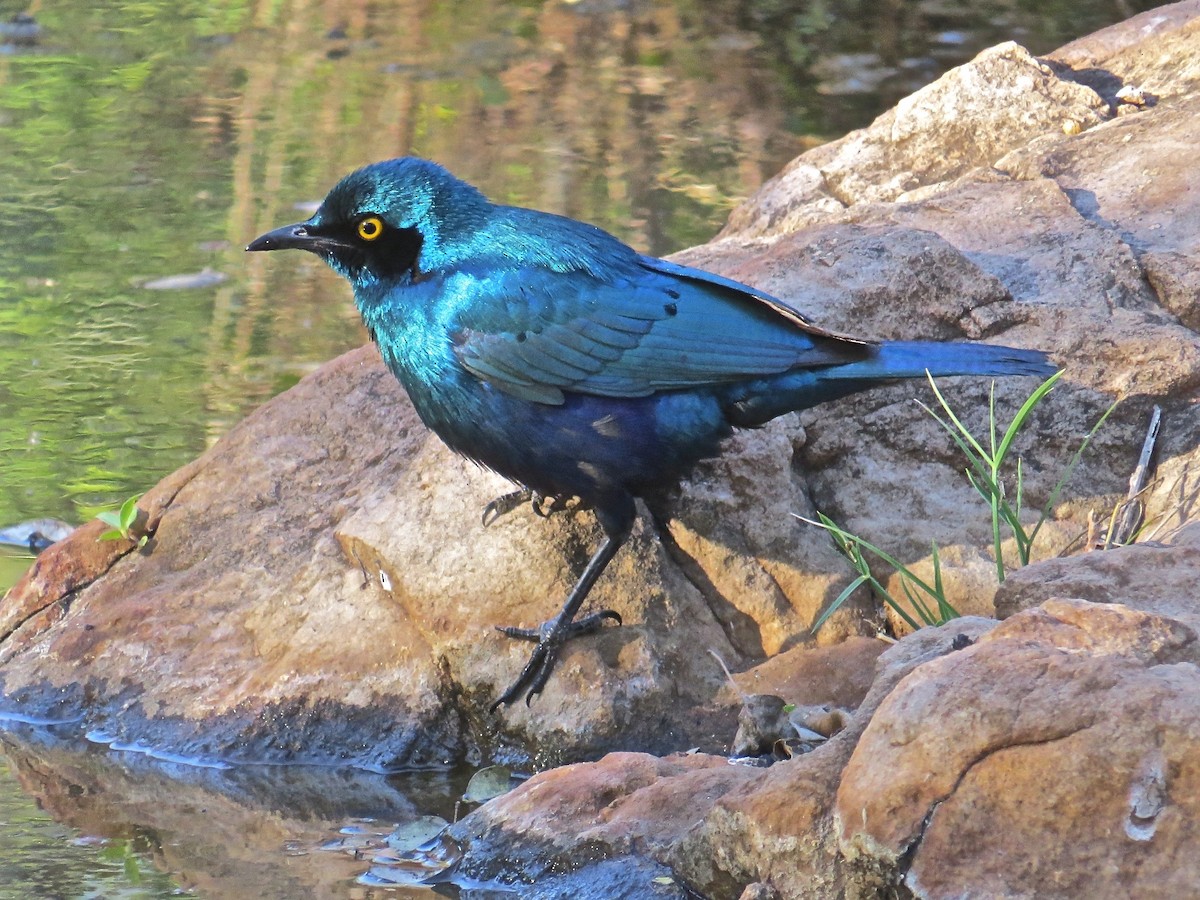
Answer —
82 821
145 143
42 857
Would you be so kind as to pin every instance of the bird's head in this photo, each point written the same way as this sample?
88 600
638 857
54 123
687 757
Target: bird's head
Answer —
387 222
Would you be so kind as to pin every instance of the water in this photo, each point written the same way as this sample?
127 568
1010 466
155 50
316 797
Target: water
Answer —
85 822
39 857
143 141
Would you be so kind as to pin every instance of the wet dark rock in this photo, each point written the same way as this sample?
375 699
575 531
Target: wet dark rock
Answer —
21 30
190 281
625 805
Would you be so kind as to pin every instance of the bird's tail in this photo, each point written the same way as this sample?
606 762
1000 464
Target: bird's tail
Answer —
800 389
911 359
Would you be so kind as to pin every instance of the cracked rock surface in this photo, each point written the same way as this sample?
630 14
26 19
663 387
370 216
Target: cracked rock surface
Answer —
318 586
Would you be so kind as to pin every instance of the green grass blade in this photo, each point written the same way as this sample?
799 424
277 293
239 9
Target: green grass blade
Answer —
856 545
962 429
838 601
928 617
1018 422
992 418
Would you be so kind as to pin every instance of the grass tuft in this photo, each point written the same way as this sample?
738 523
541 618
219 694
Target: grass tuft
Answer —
986 471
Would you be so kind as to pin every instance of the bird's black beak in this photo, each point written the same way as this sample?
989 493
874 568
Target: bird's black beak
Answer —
298 237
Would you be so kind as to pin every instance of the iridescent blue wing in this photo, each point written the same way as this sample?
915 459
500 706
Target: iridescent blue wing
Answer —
657 326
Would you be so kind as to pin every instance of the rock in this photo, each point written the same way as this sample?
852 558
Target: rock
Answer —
809 687
21 30
998 102
36 534
1041 756
1051 758
1154 578
242 613
326 608
626 806
1052 241
776 826
759 891
839 675
205 278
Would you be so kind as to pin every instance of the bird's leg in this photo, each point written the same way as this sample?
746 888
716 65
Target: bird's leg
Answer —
552 635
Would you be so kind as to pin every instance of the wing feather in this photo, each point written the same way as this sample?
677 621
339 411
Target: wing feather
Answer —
538 333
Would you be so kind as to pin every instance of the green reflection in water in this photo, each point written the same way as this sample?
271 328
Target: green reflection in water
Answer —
98 376
13 562
41 858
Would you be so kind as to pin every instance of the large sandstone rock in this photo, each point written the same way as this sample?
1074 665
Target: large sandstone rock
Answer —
1093 235
1054 758
318 586
718 826
1154 578
1052 755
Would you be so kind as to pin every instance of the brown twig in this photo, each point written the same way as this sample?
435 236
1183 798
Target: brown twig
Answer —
1128 516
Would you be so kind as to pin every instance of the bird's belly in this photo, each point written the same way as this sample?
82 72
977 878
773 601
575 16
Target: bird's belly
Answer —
588 446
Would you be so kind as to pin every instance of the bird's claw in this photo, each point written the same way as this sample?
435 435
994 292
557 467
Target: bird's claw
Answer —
545 632
550 640
542 505
504 504
538 501
532 678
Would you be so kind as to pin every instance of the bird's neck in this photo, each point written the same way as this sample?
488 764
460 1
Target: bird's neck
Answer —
399 314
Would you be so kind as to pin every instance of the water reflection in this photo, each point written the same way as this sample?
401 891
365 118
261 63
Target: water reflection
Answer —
243 832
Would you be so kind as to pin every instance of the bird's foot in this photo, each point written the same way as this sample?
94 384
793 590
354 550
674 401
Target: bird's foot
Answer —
542 505
550 637
546 632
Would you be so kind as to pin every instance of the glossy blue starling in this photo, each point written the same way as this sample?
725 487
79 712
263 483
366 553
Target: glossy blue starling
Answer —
554 354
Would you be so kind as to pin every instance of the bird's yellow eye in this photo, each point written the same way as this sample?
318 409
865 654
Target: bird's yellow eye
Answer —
370 228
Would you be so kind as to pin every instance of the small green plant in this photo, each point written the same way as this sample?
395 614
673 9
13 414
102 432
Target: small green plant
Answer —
927 600
121 521
985 473
985 465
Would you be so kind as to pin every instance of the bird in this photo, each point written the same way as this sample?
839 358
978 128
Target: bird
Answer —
551 352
